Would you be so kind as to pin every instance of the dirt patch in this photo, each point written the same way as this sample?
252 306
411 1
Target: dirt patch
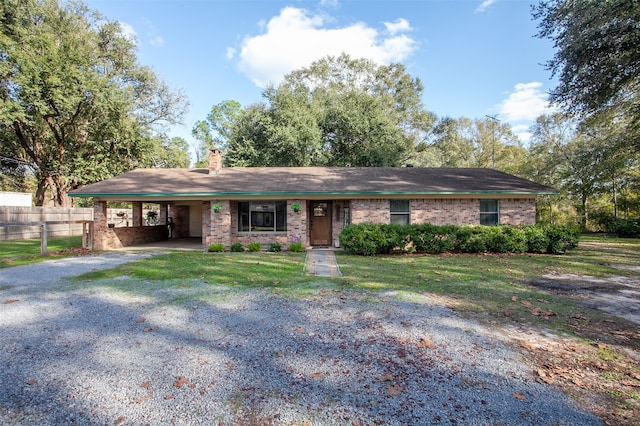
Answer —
619 296
604 373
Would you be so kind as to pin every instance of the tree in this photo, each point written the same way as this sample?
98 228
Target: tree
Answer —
201 132
169 153
338 111
78 106
484 142
598 55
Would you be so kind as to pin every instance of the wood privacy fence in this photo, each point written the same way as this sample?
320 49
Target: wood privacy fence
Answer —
24 223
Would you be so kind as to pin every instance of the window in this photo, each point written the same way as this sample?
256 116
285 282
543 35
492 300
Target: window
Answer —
262 216
400 212
489 214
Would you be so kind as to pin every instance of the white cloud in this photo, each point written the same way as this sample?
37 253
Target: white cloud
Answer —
523 106
526 102
332 3
154 39
231 52
400 25
129 32
295 38
484 6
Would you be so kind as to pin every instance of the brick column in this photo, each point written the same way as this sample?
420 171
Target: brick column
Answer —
297 222
137 214
216 225
100 225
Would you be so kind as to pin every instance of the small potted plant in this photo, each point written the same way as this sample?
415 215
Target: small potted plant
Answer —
216 208
296 207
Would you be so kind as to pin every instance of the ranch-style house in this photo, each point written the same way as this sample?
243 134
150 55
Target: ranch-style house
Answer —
310 205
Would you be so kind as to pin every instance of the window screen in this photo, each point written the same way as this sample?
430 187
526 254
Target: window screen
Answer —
400 212
489 214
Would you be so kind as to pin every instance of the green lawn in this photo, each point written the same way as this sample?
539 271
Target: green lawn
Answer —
488 284
20 252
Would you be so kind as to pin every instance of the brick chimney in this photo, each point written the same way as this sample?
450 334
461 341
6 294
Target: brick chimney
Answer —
215 161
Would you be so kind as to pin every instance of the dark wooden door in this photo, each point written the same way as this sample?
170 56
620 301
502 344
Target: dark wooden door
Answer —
320 223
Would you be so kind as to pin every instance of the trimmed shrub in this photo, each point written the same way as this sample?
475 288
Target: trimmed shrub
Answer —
237 248
296 247
369 239
254 247
561 238
537 239
275 247
626 228
216 248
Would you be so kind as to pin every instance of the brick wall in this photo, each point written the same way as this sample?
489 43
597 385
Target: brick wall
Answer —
445 211
438 211
370 211
180 220
518 211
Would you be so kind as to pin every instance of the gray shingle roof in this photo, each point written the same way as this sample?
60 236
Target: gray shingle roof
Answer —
273 181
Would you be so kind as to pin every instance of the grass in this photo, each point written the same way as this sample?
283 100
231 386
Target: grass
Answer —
496 285
22 252
197 273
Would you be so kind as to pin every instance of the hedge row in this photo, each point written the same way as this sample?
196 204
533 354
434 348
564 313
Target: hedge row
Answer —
625 228
368 239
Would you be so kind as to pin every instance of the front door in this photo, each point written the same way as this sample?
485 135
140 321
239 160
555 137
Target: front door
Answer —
320 223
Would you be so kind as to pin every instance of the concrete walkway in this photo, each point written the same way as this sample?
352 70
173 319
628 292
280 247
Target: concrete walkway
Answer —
322 263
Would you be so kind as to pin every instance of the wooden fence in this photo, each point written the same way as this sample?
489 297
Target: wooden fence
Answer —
24 223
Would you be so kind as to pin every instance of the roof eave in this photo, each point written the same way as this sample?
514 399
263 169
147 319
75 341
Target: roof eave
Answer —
302 194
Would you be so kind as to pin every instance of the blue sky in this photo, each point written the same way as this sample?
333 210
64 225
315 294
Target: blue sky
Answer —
474 57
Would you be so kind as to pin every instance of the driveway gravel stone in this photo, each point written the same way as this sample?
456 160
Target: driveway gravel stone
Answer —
94 355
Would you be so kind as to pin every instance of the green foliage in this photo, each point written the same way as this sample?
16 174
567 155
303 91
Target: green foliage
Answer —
340 111
604 32
254 247
237 248
296 247
626 228
216 248
275 247
370 239
77 104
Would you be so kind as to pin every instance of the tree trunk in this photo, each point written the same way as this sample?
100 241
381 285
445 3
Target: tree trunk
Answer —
615 199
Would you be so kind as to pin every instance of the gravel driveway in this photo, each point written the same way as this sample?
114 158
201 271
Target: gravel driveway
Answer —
93 354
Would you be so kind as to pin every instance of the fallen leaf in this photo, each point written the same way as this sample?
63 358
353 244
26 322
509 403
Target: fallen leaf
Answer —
514 298
507 313
394 390
180 381
145 384
119 420
148 329
316 375
167 397
7 302
32 382
543 376
140 319
519 396
386 378
426 343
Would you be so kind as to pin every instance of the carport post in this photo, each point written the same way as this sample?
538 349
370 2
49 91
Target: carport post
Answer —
43 238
